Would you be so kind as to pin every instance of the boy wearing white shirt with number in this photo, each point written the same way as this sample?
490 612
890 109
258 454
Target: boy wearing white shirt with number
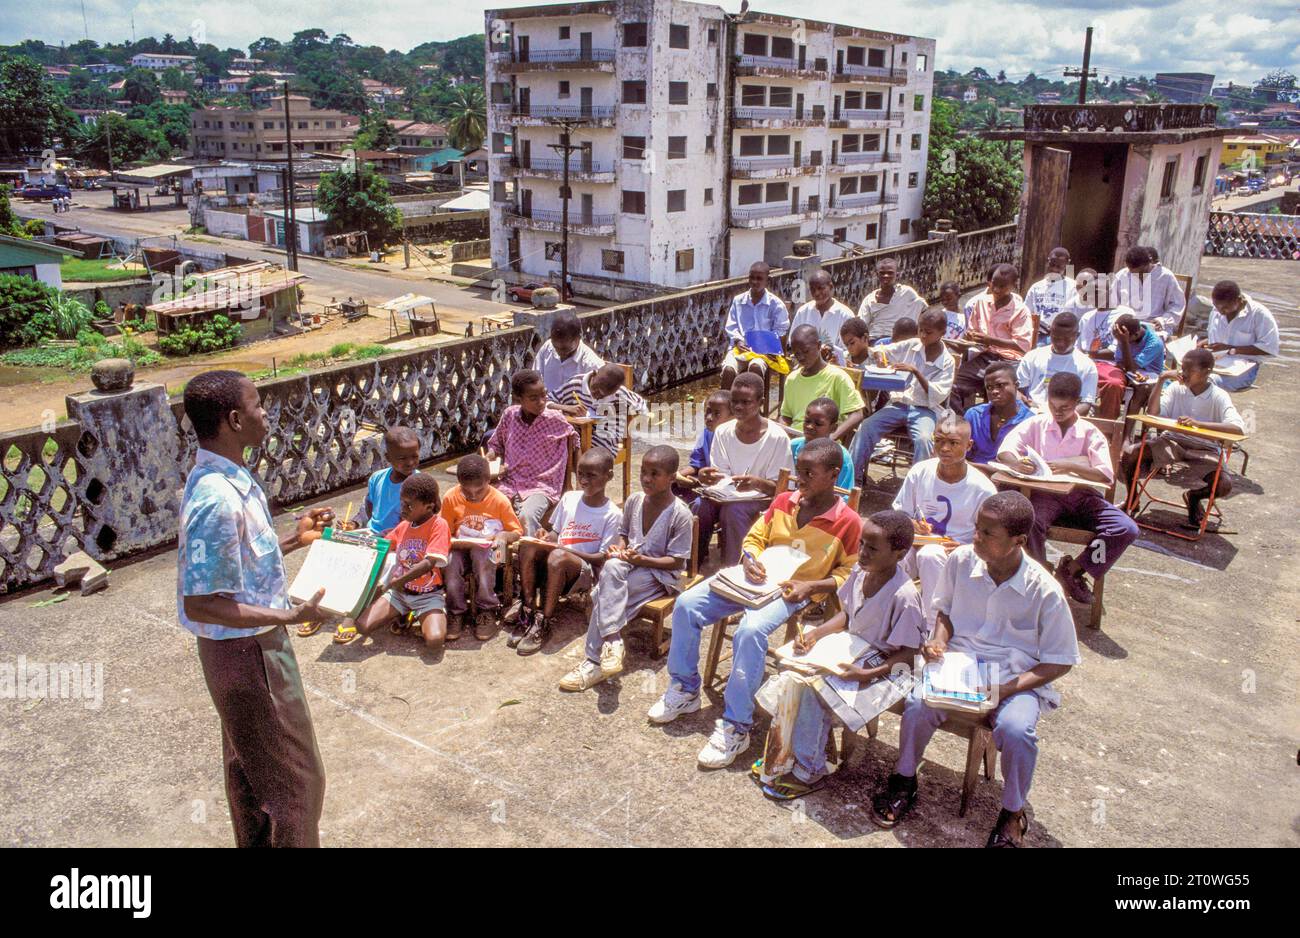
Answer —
999 605
942 496
1050 295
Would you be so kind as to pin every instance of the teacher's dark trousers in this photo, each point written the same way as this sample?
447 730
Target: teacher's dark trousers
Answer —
275 780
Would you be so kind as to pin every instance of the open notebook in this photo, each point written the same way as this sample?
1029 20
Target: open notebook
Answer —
348 568
1043 472
779 564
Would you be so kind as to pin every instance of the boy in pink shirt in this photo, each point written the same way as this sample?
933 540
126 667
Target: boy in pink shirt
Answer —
1074 446
998 320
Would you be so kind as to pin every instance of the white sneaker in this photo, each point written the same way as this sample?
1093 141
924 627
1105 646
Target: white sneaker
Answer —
585 675
723 746
673 704
611 657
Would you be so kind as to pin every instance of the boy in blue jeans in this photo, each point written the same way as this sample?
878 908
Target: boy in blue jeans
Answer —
828 531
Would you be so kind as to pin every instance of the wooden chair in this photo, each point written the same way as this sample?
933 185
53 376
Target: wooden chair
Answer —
1185 282
623 457
853 498
1082 537
657 612
974 728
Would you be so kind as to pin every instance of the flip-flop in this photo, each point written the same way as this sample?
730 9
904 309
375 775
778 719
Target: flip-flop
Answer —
788 788
308 629
345 634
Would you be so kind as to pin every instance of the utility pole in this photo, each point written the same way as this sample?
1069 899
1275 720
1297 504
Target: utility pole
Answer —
290 218
564 148
1083 74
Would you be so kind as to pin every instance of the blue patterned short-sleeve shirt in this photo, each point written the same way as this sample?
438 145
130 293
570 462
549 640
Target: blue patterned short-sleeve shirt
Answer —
227 545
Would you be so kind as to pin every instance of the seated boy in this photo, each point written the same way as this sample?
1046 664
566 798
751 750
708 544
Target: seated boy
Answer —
854 336
991 422
1074 446
756 310
1040 363
603 394
581 528
1025 631
820 418
751 450
998 320
816 378
878 603
942 496
474 509
381 511
1098 336
645 562
534 445
1194 400
825 314
1241 327
950 302
421 543
717 410
905 328
564 355
826 530
931 368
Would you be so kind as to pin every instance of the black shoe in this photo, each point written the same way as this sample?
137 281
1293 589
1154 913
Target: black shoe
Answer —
519 628
536 636
1010 829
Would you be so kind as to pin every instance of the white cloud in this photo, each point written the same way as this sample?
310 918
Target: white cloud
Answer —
1131 37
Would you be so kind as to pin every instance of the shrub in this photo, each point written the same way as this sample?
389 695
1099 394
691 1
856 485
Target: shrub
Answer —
34 228
90 348
102 310
25 315
213 336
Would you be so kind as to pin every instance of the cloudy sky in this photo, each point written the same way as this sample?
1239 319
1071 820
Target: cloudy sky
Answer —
1233 40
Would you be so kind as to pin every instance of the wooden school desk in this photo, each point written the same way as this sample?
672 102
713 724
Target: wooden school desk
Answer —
1138 484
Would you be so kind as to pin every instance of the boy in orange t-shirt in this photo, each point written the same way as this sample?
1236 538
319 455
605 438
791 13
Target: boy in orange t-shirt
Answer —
475 510
421 543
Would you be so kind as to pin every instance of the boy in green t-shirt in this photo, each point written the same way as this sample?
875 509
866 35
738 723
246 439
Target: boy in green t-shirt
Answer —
815 378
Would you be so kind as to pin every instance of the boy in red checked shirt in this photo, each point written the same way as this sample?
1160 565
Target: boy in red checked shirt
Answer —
422 542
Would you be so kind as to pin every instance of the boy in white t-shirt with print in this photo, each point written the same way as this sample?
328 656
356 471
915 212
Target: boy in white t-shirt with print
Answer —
577 535
942 496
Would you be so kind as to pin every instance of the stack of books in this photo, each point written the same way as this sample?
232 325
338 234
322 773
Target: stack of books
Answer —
779 564
958 681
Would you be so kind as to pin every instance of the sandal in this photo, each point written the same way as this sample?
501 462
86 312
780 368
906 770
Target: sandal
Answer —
308 629
788 787
399 626
890 807
345 635
1005 819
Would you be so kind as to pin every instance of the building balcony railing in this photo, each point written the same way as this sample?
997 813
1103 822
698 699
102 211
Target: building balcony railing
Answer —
748 116
749 167
759 216
858 161
554 167
552 220
771 65
518 113
864 117
871 73
547 59
854 204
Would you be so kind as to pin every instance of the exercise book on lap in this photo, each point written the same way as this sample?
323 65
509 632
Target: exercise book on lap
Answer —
346 566
1043 472
958 681
780 563
724 490
831 654
857 704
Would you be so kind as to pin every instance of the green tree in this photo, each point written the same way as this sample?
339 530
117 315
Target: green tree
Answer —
32 114
375 134
9 223
358 201
968 180
140 86
467 125
173 79
130 140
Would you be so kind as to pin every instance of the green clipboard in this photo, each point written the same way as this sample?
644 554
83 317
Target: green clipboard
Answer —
348 565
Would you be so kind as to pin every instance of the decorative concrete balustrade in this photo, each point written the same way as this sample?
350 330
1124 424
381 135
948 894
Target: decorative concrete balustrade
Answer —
109 480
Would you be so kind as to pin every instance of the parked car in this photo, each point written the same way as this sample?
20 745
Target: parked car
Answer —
44 191
524 294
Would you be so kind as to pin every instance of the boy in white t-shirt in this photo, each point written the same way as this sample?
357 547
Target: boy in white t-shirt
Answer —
1062 354
1194 400
942 497
581 527
752 450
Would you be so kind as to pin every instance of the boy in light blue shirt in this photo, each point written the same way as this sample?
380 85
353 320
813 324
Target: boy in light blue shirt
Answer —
820 419
382 508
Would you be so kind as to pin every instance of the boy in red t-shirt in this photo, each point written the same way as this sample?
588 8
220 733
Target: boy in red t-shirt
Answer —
421 542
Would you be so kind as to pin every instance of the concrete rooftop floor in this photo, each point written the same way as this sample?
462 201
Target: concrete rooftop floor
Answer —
1179 728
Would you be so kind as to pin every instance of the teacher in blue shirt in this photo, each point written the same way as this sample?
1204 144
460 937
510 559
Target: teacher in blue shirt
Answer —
232 594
